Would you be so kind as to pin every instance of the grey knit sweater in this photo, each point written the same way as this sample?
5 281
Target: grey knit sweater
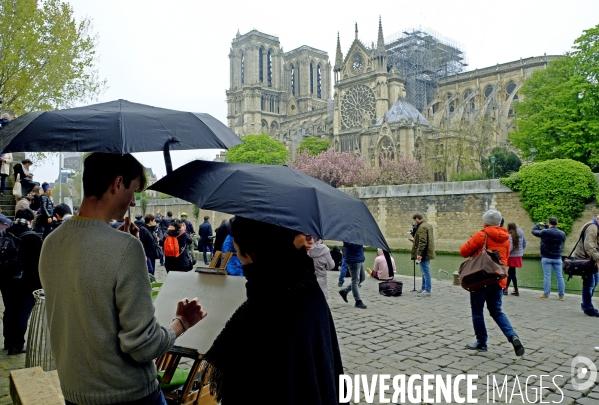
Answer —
103 332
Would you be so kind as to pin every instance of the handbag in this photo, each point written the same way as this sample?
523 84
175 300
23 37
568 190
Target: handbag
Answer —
482 270
158 252
17 190
579 267
390 288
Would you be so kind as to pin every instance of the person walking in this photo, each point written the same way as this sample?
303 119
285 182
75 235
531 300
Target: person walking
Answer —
321 255
423 251
517 245
103 331
205 238
552 243
496 238
589 249
354 260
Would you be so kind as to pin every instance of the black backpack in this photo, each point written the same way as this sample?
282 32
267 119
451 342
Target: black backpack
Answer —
10 262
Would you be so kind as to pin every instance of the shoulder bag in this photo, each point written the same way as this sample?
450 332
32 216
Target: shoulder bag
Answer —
481 270
579 267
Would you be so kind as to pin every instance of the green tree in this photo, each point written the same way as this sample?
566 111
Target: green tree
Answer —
554 188
314 146
506 162
46 56
261 149
559 115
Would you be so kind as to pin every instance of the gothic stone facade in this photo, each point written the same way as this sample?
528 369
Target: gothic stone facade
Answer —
287 94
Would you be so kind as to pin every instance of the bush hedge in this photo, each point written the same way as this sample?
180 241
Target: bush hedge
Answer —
555 188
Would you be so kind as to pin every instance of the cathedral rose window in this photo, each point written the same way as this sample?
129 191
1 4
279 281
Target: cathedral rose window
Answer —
358 104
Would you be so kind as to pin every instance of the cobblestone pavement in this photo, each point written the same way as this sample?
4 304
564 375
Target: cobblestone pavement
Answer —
415 335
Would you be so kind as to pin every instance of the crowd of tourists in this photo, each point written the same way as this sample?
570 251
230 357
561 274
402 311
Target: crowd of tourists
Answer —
285 322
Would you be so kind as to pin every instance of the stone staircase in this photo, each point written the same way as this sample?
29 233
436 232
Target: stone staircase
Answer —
7 202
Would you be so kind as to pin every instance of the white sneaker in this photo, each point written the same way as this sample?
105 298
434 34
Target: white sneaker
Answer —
597 348
426 294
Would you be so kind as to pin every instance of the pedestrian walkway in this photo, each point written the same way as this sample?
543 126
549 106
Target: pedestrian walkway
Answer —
415 335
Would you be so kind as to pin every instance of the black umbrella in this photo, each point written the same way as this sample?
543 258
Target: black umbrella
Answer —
277 195
115 127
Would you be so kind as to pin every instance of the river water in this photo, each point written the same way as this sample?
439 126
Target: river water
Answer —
529 276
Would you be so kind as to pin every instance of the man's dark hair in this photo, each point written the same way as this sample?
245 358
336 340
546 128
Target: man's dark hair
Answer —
149 218
25 161
552 221
169 214
100 169
62 210
206 218
24 214
176 223
418 216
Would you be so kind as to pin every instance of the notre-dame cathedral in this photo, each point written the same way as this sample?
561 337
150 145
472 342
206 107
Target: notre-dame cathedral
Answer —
389 99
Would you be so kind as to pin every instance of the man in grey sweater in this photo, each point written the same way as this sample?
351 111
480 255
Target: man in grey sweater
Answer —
98 297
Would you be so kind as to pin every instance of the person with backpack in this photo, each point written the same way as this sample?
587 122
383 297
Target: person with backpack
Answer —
20 250
176 242
588 249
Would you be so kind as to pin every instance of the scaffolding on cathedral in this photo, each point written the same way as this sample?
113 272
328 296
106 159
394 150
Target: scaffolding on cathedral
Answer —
423 57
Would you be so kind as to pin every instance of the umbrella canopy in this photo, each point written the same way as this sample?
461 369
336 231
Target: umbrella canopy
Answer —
115 127
277 195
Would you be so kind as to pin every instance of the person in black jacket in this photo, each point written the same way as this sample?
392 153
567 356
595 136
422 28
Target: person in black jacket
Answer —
182 261
149 240
221 234
22 169
337 257
205 238
552 243
45 218
17 292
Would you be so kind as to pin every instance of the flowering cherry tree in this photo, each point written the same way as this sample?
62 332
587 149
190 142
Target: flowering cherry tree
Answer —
345 169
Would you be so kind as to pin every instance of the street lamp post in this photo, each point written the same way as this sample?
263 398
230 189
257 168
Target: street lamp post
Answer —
493 166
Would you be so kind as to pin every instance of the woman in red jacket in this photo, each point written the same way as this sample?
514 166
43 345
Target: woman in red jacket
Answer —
497 239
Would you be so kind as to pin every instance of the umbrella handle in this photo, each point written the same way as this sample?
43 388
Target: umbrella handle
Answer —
167 155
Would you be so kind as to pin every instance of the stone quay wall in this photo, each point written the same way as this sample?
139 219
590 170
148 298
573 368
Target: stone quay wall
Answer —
454 209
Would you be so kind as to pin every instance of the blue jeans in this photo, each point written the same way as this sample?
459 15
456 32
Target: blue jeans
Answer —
206 247
492 295
556 265
342 272
588 289
426 275
357 276
155 398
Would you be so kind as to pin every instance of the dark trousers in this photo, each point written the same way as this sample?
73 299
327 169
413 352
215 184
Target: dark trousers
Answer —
18 303
492 296
511 276
206 247
3 182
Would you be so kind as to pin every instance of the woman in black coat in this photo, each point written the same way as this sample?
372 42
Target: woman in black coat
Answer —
285 327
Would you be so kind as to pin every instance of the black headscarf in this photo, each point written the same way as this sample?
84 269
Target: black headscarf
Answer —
282 338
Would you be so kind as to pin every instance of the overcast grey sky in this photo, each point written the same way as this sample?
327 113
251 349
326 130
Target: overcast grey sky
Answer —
175 54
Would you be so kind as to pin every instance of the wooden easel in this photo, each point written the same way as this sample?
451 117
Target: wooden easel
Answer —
224 259
193 392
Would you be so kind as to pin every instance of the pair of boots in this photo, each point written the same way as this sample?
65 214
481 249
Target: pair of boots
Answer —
515 292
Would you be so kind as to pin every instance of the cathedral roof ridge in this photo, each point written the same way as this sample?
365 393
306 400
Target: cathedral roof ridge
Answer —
256 33
307 48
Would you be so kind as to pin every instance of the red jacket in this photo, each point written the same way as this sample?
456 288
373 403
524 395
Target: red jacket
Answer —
498 238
